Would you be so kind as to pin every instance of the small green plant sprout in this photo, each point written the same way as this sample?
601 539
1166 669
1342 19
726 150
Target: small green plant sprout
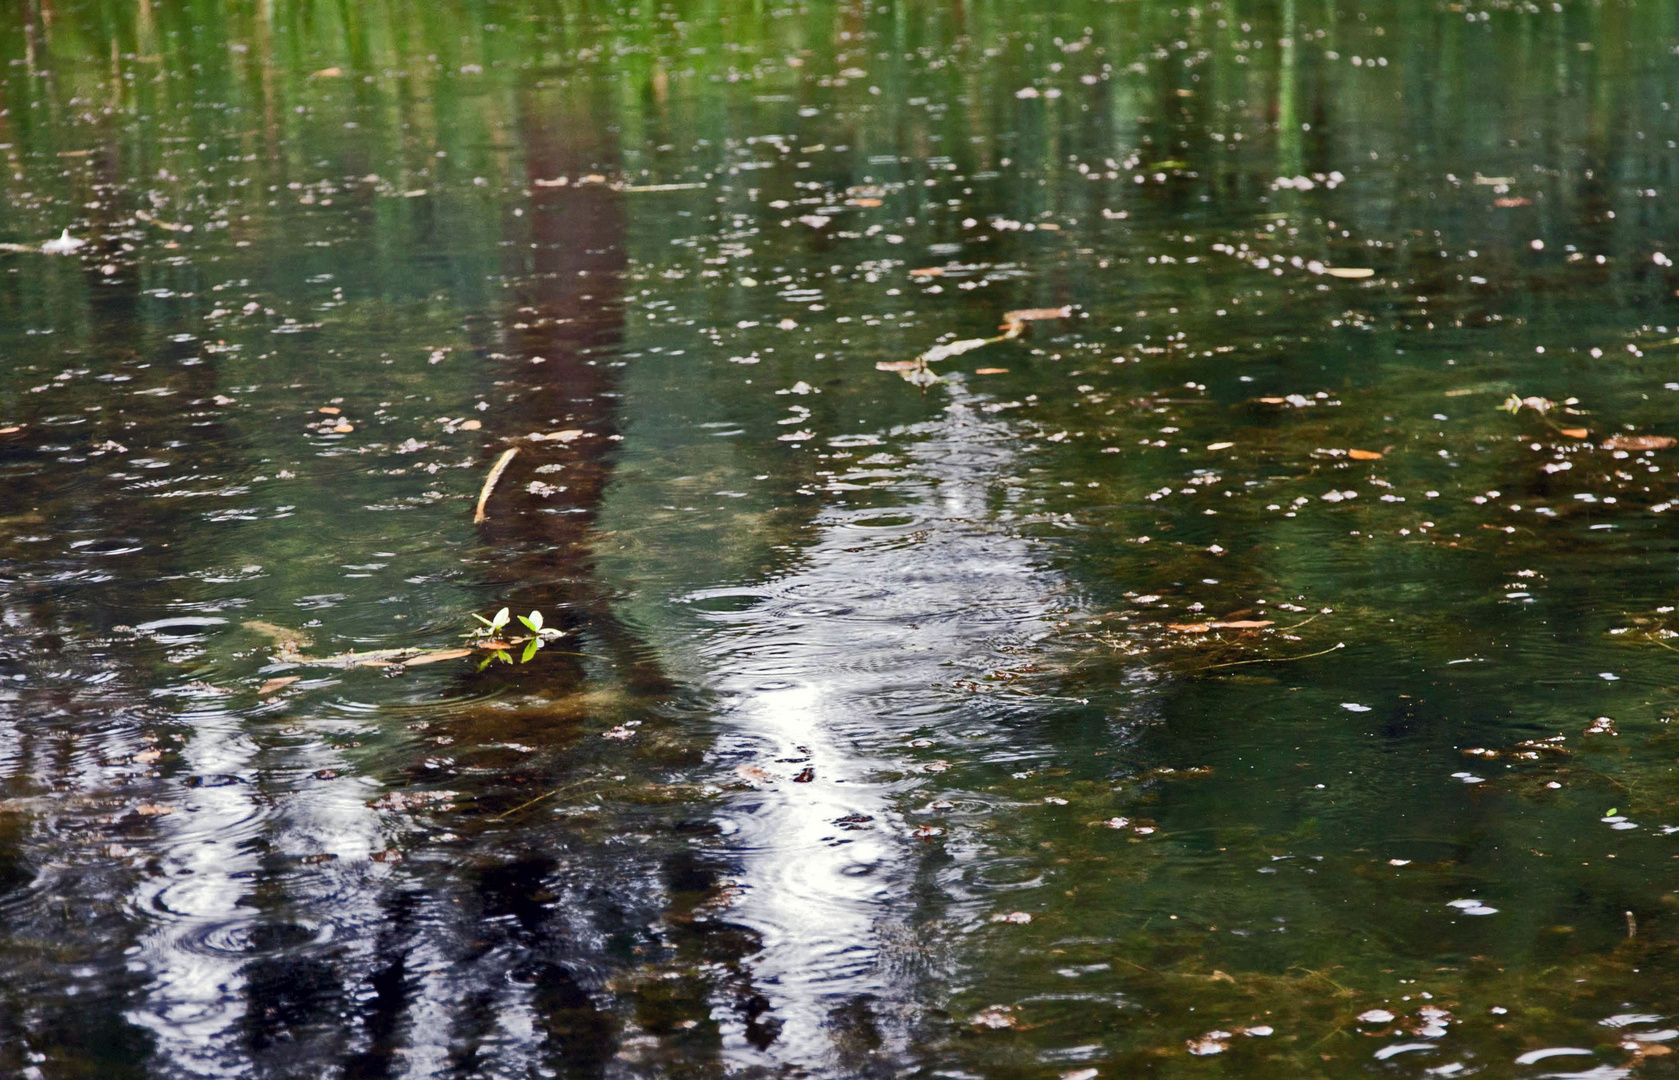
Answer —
491 627
491 636
533 623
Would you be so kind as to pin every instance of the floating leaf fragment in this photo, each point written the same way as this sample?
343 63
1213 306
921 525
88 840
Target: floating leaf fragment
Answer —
927 272
952 348
991 371
1640 442
566 436
1514 403
1365 455
995 1017
1220 445
1575 432
437 657
276 685
897 365
1015 321
1351 273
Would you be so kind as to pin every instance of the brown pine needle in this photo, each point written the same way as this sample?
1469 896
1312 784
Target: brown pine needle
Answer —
490 482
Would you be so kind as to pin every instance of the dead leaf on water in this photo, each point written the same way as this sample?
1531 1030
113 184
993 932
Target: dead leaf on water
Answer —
343 428
277 634
1015 321
1364 455
952 348
927 272
1575 432
330 410
1349 272
403 801
471 425
275 685
327 73
566 436
991 371
437 657
1233 624
896 365
1639 442
995 1017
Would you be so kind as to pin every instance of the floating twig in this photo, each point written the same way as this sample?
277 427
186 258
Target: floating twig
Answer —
490 482
1278 659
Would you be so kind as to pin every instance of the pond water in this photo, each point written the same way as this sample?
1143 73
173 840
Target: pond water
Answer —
1256 659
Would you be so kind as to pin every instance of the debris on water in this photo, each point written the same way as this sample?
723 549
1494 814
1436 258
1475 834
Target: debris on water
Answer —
1353 273
1014 322
752 774
437 657
994 1017
1231 624
1603 725
496 470
1016 917
1211 1043
1515 403
275 685
1640 442
405 801
65 244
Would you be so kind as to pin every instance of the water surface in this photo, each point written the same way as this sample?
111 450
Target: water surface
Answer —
1257 664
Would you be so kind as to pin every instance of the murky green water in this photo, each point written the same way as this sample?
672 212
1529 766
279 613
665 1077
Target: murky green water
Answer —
1213 678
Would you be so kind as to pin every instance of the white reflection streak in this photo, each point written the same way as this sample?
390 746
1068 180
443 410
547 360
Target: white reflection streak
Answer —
840 661
195 1003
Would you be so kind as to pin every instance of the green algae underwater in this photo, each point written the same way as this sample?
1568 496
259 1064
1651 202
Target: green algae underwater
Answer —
1079 539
